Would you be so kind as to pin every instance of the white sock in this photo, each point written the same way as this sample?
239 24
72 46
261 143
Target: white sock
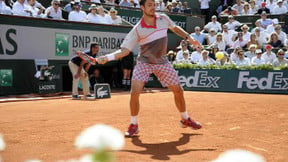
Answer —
184 115
134 119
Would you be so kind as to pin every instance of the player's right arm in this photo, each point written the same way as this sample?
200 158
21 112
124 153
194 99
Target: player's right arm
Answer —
113 56
128 44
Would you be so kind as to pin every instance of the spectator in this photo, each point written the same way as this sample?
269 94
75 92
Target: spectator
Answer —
115 18
232 24
254 7
183 47
229 11
238 6
234 55
111 2
205 9
242 61
257 24
171 55
261 36
269 56
223 61
246 33
211 36
274 40
175 7
253 40
185 59
102 17
271 4
36 12
69 6
264 21
4 9
169 7
96 1
213 24
246 9
93 16
279 9
280 60
77 14
186 9
271 28
252 51
258 60
263 9
240 41
54 11
37 4
281 35
160 5
198 35
134 4
205 59
124 3
214 50
196 55
21 9
220 43
228 36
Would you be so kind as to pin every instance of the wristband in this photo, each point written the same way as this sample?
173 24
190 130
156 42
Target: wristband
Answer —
110 57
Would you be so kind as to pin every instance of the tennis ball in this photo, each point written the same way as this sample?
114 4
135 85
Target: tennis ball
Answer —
219 55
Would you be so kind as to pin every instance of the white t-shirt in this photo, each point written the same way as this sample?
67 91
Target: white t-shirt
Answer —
4 9
279 10
227 37
204 4
243 62
269 58
20 9
195 57
216 26
55 14
257 61
80 16
106 19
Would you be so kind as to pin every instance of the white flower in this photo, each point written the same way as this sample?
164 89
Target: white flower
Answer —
2 143
239 155
100 137
86 158
33 160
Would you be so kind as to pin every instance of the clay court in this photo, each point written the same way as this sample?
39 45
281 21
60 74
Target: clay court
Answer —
46 129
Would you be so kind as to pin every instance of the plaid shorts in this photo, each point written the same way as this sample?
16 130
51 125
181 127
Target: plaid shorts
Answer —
165 73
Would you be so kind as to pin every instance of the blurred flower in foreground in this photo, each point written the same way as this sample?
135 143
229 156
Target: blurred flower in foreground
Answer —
239 155
2 143
100 137
33 160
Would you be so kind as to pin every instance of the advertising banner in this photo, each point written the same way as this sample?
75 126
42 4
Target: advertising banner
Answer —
253 81
22 42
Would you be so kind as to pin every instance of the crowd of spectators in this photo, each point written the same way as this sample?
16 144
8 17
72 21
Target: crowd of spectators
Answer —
242 44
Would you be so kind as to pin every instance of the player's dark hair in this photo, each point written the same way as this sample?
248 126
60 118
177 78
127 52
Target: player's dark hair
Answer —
93 45
142 2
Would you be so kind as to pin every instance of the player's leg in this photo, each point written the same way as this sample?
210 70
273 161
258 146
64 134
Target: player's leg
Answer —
74 68
140 77
169 78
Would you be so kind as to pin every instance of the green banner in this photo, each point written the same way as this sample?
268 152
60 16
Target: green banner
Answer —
253 81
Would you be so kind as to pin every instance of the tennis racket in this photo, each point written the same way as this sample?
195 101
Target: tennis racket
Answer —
86 57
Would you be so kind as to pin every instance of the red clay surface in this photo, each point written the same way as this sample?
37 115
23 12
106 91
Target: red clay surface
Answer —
46 129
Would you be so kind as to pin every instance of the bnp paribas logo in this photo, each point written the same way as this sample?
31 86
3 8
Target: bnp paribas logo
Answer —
62 44
6 78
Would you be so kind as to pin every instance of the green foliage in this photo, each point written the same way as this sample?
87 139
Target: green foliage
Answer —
229 67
